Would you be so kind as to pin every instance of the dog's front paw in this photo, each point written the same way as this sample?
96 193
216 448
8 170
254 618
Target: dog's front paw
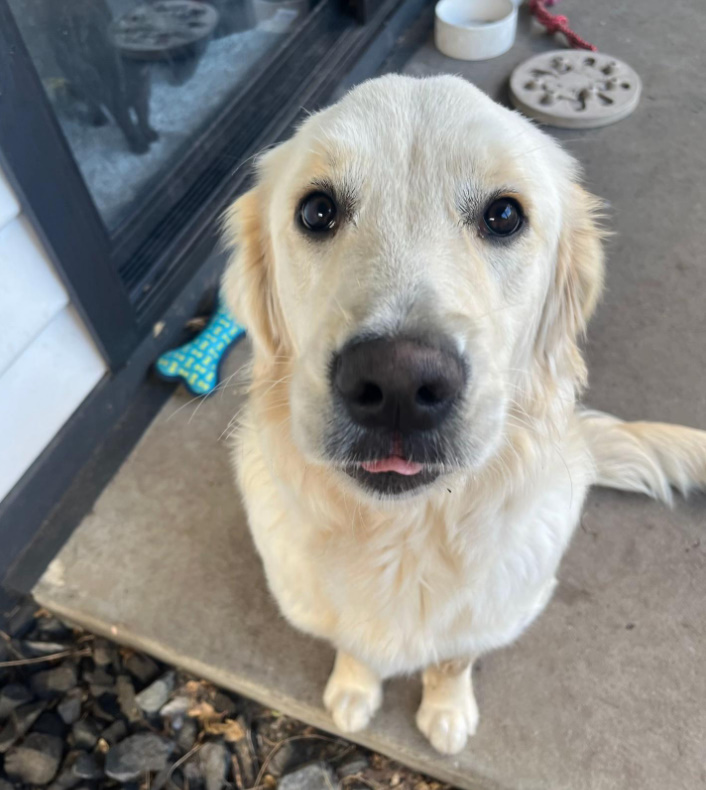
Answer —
448 726
353 695
351 709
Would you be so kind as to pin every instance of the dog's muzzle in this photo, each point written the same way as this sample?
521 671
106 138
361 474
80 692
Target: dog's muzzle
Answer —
398 393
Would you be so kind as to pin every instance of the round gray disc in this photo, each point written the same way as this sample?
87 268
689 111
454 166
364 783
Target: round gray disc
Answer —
575 89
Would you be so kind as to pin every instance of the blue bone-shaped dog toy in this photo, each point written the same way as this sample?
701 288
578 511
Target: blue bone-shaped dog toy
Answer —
198 362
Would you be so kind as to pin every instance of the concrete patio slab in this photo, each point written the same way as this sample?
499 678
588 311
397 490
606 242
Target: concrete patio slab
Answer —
608 689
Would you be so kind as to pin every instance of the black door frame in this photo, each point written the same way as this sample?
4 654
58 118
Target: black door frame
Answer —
41 169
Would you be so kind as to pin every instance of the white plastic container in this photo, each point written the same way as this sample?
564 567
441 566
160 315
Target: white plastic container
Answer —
475 29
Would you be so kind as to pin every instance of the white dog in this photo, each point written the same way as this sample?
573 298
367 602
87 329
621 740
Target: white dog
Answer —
416 267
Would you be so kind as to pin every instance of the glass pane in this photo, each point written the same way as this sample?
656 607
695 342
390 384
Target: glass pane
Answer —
134 84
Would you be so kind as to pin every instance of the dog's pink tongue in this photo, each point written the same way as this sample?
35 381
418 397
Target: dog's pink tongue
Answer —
393 464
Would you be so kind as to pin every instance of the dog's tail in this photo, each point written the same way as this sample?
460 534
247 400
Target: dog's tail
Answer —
645 457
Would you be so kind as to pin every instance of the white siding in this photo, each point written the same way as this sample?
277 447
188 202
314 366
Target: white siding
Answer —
48 363
30 292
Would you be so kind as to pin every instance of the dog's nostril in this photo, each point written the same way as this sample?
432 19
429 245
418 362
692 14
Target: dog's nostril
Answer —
370 395
426 396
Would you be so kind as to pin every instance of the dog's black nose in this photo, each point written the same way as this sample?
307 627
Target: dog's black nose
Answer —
398 384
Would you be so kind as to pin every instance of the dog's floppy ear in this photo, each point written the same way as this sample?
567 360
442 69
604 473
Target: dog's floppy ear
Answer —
248 282
575 288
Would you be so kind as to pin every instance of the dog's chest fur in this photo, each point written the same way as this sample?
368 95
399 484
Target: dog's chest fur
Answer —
461 572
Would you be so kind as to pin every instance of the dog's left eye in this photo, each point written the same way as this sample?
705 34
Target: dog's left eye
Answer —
503 217
318 212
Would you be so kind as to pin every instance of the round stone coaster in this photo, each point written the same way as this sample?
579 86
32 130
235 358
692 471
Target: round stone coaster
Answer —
164 30
575 89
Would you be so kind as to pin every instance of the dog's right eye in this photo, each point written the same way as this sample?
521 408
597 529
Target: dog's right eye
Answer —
503 217
318 213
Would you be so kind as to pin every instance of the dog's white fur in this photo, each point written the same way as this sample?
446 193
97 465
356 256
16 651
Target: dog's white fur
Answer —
429 581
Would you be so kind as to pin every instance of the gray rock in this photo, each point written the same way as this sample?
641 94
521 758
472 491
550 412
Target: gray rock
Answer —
317 776
137 754
36 760
66 779
34 648
11 697
126 698
49 628
162 778
213 758
115 732
5 785
106 707
70 707
87 767
192 775
175 710
21 719
142 668
85 733
156 694
54 682
187 735
50 723
78 766
98 677
292 754
105 653
355 764
8 735
100 682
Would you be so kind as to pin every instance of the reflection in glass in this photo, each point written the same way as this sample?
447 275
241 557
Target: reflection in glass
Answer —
134 84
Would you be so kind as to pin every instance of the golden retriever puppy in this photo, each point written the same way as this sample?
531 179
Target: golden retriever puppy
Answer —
415 268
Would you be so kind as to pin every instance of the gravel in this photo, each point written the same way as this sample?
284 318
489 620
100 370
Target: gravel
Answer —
36 760
187 735
70 707
85 733
115 732
50 723
291 755
312 777
20 721
142 668
50 629
105 653
11 697
87 767
136 755
127 701
34 649
213 759
54 682
352 766
109 718
156 695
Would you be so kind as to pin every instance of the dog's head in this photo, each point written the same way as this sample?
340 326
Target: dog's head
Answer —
424 261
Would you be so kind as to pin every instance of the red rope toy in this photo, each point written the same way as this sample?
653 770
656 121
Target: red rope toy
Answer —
557 24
